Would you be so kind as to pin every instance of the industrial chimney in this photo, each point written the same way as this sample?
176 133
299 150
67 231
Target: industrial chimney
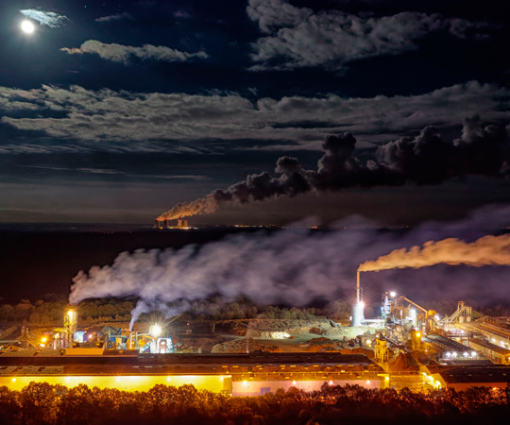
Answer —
70 324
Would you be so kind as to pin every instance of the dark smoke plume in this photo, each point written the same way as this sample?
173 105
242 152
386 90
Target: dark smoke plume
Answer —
292 267
425 159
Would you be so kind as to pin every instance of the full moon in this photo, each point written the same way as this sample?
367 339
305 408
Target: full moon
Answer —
27 27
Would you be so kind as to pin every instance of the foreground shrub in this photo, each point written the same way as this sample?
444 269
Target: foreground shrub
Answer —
41 403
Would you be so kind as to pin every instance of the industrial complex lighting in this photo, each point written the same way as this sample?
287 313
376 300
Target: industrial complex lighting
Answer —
44 339
155 330
393 294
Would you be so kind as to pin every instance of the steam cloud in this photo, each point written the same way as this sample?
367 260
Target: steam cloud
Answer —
293 267
425 159
486 251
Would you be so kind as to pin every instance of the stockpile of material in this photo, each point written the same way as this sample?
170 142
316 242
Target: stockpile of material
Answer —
244 345
267 328
404 362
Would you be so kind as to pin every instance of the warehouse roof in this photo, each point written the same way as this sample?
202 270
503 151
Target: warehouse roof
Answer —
189 363
490 346
484 374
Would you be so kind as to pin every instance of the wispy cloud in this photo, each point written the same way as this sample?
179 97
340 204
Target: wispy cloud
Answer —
81 170
108 171
50 19
181 14
116 17
120 53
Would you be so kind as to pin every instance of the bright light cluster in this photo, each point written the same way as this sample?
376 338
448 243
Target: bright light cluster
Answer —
465 354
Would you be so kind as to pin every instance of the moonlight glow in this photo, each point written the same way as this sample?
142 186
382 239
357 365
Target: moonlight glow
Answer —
27 27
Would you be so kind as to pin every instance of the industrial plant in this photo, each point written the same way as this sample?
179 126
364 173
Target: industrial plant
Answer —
407 345
163 223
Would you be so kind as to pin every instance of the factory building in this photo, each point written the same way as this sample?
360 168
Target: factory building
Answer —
161 223
462 378
447 350
494 352
494 333
250 374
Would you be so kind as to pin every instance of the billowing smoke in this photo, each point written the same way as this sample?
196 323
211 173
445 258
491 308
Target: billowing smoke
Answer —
486 251
292 267
425 159
148 306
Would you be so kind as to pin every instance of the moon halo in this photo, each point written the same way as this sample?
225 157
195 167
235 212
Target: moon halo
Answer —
27 27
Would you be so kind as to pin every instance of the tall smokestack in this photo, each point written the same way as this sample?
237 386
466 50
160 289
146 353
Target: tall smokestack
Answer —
358 288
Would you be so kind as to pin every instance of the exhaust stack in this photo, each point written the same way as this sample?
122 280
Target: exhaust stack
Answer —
358 313
70 325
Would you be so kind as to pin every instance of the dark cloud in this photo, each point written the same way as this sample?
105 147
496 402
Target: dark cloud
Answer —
300 37
426 159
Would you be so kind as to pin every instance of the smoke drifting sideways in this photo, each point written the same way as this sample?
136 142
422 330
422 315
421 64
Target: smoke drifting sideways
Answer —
426 159
293 267
486 251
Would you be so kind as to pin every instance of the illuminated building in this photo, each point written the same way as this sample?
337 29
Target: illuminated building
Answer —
241 374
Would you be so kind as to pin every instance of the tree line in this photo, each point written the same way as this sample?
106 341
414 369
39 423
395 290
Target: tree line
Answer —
45 404
50 312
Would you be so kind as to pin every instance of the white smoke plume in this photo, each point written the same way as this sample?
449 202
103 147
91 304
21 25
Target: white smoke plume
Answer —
486 251
294 267
149 306
50 19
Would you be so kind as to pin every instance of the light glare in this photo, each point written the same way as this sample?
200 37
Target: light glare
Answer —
155 330
27 27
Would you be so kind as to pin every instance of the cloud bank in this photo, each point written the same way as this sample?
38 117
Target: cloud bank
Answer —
299 37
120 53
112 120
50 19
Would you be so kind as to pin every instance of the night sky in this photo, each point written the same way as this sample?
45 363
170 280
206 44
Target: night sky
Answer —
117 111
